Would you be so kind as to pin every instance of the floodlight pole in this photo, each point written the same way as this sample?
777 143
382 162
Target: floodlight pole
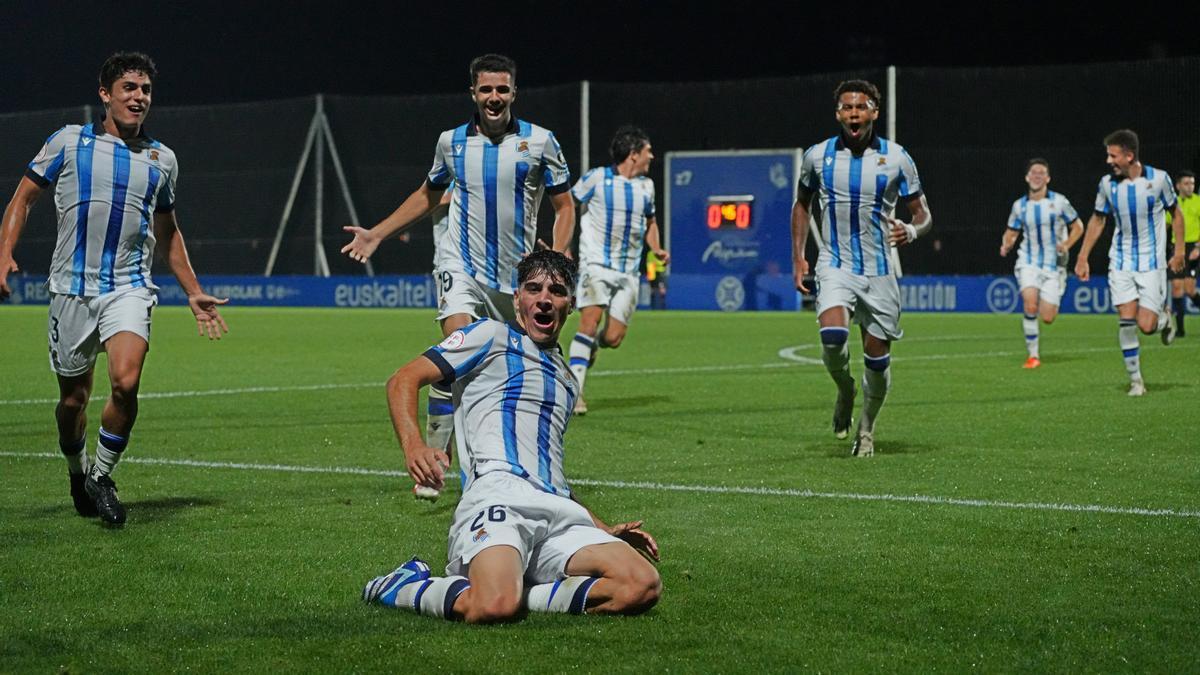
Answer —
891 103
319 137
585 122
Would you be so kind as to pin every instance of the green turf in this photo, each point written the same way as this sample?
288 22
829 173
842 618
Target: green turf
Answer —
236 569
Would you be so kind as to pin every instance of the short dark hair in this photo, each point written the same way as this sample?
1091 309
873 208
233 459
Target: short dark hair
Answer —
1126 139
1035 161
861 87
493 63
552 263
628 140
123 62
1185 174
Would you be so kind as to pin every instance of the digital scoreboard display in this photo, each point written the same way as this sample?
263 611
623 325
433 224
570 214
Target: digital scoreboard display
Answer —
730 212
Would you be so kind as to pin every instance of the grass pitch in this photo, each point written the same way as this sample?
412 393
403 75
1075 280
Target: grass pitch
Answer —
1010 520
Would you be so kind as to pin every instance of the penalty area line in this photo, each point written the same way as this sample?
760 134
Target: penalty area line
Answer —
671 487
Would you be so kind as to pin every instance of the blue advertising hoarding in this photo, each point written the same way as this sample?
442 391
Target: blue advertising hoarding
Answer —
282 291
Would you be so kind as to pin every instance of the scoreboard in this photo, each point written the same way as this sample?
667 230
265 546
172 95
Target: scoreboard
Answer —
728 227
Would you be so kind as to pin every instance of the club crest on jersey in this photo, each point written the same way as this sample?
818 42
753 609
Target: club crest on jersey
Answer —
882 161
154 155
454 340
523 146
481 535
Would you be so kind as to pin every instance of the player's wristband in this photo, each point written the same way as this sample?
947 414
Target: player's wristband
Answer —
911 230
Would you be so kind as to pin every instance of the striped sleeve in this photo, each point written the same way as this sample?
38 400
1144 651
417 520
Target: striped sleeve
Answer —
585 187
1069 214
808 172
46 167
439 174
1167 193
649 210
465 349
1102 197
910 181
165 203
1014 217
557 174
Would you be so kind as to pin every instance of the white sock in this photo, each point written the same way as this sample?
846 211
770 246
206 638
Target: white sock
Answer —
836 355
580 353
877 379
1127 334
565 596
1030 323
439 422
109 449
432 597
1164 317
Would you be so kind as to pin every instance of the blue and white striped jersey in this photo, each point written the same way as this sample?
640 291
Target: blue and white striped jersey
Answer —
105 193
1140 241
856 193
613 228
497 191
1044 224
512 401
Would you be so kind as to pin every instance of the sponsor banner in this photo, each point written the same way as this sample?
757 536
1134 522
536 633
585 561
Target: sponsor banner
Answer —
995 294
748 291
282 291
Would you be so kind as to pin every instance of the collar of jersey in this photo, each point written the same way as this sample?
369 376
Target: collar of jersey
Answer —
518 328
142 139
473 125
873 143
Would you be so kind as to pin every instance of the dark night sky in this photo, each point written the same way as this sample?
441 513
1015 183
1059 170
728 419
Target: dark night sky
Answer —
217 52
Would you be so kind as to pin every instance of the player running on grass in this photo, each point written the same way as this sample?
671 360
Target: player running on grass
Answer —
618 203
1136 195
858 178
496 167
1051 227
114 188
518 522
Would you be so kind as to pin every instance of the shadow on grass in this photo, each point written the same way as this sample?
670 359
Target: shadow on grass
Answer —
151 510
884 448
1153 387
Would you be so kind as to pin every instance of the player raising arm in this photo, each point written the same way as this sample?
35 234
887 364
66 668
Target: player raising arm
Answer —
518 520
496 167
115 191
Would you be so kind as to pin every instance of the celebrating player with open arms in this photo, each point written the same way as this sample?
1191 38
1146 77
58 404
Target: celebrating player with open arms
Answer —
114 187
518 521
497 167
858 178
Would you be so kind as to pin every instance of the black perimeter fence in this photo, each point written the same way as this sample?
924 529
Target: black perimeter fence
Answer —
970 130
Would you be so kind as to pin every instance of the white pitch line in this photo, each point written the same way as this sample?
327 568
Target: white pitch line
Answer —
670 487
790 360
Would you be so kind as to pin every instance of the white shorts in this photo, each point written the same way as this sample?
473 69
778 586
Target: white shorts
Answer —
501 509
80 325
875 301
460 293
599 285
1148 288
1051 284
